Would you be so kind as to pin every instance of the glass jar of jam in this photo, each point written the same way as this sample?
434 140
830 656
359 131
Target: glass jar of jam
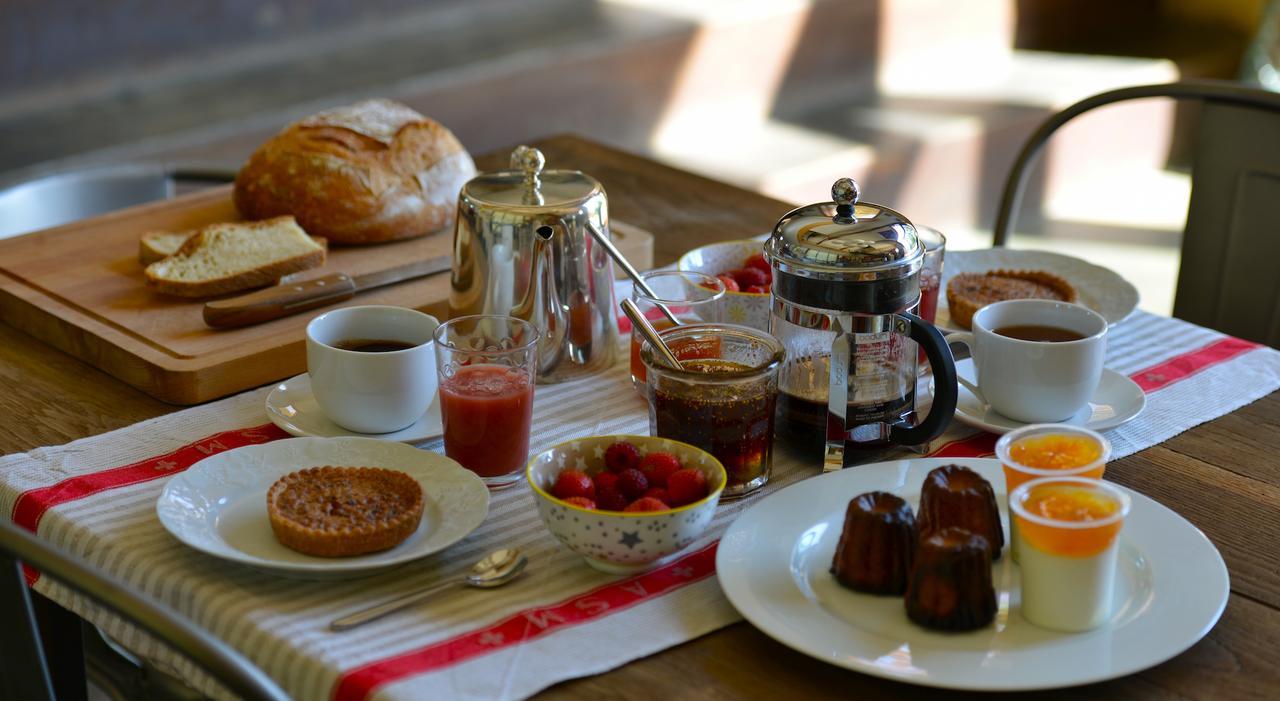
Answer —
722 399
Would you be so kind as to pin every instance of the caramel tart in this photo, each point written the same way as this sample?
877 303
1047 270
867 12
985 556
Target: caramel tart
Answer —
969 292
344 511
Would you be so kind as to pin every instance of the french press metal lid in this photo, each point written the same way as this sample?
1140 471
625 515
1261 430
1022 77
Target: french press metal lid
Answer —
824 255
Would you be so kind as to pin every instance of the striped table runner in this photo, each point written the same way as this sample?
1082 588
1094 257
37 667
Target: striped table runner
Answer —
96 497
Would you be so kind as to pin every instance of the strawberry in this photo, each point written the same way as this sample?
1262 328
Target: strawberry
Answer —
757 261
658 466
747 277
633 483
573 483
581 501
621 456
610 499
646 504
686 486
729 283
757 289
605 480
658 493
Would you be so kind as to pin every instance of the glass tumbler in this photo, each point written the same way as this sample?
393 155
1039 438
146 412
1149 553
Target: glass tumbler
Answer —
935 248
692 297
1049 450
487 366
721 400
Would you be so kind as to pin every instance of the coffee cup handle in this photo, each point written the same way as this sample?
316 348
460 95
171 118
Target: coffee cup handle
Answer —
967 339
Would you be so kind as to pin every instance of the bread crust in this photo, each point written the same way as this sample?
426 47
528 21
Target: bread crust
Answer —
371 172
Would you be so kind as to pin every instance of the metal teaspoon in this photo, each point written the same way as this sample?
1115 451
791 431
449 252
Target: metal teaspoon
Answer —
494 570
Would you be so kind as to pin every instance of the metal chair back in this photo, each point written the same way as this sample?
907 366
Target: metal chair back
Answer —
1228 277
26 671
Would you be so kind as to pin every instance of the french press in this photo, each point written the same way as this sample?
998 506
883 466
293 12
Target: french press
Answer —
846 279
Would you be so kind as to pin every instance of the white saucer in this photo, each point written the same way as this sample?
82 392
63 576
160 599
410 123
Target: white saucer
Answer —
1117 400
292 407
219 505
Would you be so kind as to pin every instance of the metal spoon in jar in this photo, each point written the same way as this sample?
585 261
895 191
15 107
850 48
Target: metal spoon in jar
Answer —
630 270
494 570
650 334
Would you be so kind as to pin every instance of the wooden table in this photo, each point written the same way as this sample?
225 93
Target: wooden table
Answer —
1223 476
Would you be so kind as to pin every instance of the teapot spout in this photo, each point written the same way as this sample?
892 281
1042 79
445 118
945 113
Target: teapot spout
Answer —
541 304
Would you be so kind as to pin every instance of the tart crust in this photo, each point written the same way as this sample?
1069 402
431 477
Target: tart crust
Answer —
344 511
969 292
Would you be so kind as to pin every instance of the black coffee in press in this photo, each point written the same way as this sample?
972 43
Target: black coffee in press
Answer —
369 345
1031 332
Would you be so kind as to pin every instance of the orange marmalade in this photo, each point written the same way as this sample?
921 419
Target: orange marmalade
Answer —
1053 451
1069 504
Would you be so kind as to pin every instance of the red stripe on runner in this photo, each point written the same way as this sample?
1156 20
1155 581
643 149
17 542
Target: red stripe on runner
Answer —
979 445
33 504
1187 364
530 624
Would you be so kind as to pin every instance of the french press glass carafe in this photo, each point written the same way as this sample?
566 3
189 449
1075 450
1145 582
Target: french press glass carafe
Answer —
846 279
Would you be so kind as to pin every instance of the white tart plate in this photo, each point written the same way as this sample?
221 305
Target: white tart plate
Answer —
1118 400
292 407
774 559
1098 288
219 505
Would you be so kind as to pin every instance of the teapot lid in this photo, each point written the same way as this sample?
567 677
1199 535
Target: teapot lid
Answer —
526 184
845 240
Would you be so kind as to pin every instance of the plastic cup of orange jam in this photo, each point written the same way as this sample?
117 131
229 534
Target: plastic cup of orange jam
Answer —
1069 529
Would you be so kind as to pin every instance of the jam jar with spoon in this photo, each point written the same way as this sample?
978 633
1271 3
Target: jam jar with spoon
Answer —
846 283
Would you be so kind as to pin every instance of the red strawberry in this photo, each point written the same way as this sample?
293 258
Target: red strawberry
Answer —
646 504
581 501
729 283
757 261
658 466
757 289
621 456
633 483
605 480
658 493
686 486
573 483
611 499
748 277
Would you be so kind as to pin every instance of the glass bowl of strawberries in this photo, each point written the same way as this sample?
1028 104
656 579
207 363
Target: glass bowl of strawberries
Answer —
626 503
746 275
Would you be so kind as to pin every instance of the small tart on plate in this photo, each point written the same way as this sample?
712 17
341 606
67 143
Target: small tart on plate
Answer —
969 292
344 511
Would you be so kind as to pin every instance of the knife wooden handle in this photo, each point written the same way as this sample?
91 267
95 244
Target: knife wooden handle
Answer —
278 301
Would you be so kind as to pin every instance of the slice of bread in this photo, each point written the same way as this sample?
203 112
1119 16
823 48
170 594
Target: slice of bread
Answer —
158 245
222 258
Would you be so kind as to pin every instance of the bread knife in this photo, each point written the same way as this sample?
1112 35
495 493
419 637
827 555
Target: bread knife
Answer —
291 298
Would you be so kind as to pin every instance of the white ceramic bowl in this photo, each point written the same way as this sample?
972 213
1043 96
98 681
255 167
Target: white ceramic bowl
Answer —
745 308
613 541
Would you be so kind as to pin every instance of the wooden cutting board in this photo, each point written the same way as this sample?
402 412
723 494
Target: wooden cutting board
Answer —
79 287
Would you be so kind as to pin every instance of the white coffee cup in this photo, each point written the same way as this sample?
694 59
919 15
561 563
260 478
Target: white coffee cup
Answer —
1035 381
372 392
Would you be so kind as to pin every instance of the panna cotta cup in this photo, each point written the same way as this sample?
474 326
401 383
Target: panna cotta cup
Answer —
1049 450
1069 528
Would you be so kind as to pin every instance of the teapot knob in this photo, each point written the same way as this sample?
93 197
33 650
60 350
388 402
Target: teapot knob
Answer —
845 191
528 160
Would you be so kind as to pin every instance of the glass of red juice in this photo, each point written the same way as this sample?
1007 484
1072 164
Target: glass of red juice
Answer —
722 399
487 366
935 247
692 297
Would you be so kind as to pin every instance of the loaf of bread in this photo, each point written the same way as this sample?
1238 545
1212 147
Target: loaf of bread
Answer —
366 173
222 258
158 245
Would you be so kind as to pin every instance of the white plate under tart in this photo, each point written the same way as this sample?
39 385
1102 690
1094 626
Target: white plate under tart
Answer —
219 505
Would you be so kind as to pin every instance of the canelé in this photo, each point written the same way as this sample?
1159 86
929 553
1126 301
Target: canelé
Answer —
875 549
955 496
950 585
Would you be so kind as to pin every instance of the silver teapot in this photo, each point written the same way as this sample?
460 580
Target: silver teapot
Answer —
524 245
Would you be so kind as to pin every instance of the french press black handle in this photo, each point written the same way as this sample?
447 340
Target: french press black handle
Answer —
944 385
